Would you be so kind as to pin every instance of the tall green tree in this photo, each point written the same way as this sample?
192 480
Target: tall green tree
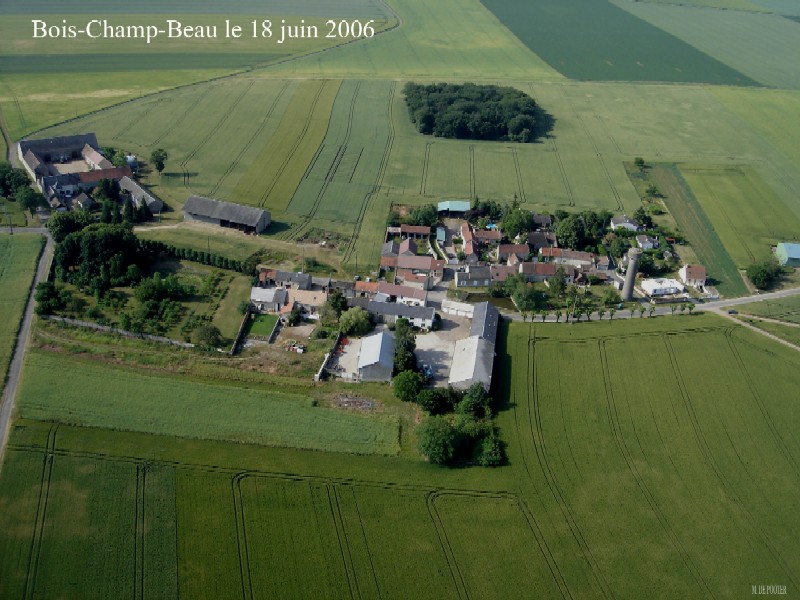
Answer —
159 158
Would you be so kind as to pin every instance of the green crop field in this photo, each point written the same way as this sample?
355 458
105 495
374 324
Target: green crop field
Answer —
754 44
674 457
589 40
108 397
694 224
784 309
18 254
787 333
747 216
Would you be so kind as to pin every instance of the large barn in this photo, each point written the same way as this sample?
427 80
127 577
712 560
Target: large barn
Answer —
226 214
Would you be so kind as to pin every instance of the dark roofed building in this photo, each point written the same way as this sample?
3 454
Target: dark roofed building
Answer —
484 321
300 281
226 214
57 149
138 195
389 312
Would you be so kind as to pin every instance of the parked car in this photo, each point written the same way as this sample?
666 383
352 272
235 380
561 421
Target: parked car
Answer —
733 311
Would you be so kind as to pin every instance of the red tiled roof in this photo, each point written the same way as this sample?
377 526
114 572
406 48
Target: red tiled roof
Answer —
367 286
417 229
389 261
488 235
426 263
94 176
391 289
518 249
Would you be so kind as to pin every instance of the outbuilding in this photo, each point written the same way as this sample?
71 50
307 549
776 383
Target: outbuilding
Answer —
376 357
226 214
788 254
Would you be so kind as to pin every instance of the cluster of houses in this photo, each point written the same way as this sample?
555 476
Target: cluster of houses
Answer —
280 292
66 170
410 267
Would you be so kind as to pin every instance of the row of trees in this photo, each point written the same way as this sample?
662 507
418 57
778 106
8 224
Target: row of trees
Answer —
470 111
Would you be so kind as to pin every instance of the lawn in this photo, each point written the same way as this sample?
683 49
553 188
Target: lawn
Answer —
262 324
11 211
18 256
132 400
228 317
655 466
589 40
784 309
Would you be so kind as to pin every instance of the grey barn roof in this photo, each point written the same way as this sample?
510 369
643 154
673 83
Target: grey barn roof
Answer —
224 211
71 143
484 321
473 360
401 310
377 349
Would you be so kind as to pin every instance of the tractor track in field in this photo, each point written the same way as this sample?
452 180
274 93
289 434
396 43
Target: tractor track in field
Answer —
601 160
552 563
562 171
518 170
241 535
209 135
341 537
447 549
366 543
184 115
376 187
139 532
535 432
136 120
705 450
472 171
35 551
619 440
426 159
332 169
780 444
246 148
297 143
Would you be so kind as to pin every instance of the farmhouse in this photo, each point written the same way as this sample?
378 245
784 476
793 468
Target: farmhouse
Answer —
408 247
403 294
693 275
474 277
645 242
506 251
661 287
226 214
138 195
308 301
376 357
488 237
469 247
541 239
268 300
500 273
563 256
389 312
788 254
623 222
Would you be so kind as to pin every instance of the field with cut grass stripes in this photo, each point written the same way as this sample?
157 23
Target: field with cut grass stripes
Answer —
18 257
103 396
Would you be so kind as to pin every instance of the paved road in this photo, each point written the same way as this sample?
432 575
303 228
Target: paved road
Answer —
14 371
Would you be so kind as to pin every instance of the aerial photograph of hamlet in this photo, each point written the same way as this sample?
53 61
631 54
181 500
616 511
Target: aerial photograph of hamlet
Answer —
399 299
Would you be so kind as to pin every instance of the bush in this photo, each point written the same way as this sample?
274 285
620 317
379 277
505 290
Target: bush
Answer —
764 273
355 321
207 336
320 333
408 385
489 452
437 440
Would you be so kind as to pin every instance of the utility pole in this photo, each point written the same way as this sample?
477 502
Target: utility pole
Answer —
8 218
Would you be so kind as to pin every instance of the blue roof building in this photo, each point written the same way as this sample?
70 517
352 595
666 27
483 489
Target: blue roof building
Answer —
788 254
454 206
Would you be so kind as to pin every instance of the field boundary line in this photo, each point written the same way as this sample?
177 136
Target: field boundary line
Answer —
563 172
423 182
139 532
472 184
